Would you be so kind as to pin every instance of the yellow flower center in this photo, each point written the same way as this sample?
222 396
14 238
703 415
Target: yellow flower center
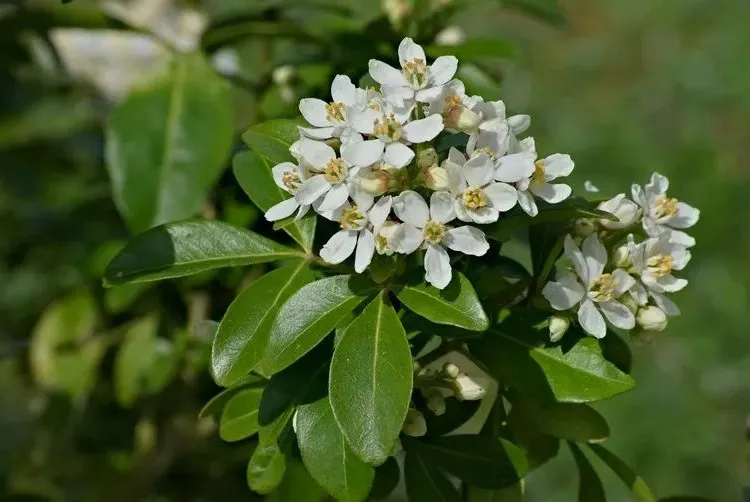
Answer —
291 180
434 232
603 288
485 150
660 265
665 206
388 129
474 198
540 175
335 171
335 112
415 72
352 219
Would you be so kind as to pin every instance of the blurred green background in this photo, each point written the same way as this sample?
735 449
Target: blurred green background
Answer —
625 86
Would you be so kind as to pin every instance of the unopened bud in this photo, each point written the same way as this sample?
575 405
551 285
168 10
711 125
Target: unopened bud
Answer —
451 371
630 302
436 178
283 75
626 211
415 424
621 258
462 119
651 318
558 326
467 389
436 403
584 227
451 35
374 182
427 158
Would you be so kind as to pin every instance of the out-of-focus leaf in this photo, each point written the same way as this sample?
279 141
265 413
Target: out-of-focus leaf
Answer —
244 331
167 143
425 483
545 10
539 448
617 351
371 380
476 48
386 480
190 247
216 404
511 494
297 485
239 419
590 488
478 82
265 469
641 492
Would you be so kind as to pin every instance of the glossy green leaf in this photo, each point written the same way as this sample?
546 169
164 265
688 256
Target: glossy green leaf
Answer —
297 485
456 305
309 315
265 469
425 483
190 247
480 461
239 420
327 456
371 380
638 487
253 173
216 404
476 48
244 331
65 351
577 374
167 143
386 479
572 421
144 362
538 447
590 488
510 494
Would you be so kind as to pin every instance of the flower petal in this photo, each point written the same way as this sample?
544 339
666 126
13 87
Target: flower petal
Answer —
411 208
595 255
423 130
623 281
576 257
686 217
398 155
639 196
483 215
658 185
408 50
398 95
312 189
407 238
365 250
363 121
502 196
515 167
363 153
380 211
552 193
437 266
639 293
314 111
681 238
442 207
618 314
386 74
339 247
478 170
667 305
527 203
428 94
467 240
343 91
565 293
278 172
335 197
315 153
591 320
666 284
442 70
519 123
319 133
282 210
558 165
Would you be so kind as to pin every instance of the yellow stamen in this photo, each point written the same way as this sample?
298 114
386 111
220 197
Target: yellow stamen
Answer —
335 112
664 207
415 72
603 288
291 180
540 175
335 171
352 219
434 232
660 265
388 129
474 198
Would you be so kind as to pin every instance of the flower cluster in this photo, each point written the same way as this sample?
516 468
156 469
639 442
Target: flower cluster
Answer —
369 162
629 287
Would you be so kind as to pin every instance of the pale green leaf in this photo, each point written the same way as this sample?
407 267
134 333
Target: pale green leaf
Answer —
265 469
239 420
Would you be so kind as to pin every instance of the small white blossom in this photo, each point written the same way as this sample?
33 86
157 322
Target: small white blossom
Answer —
595 292
664 215
288 177
451 35
496 133
651 318
416 81
455 107
626 211
333 120
427 226
478 197
329 176
359 223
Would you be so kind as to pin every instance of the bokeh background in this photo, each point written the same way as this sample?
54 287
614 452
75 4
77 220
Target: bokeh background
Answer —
625 86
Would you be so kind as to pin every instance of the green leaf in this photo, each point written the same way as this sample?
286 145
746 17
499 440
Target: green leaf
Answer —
590 488
617 351
425 483
456 305
456 414
265 469
577 374
216 404
243 333
166 144
371 380
297 485
253 173
328 458
511 494
309 315
476 48
144 362
65 351
572 421
638 487
190 247
685 498
386 480
546 10
239 420
538 447
480 461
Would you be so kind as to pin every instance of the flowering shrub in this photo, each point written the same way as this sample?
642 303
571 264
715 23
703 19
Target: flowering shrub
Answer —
398 323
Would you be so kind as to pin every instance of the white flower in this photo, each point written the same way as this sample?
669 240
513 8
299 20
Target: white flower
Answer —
391 131
416 80
478 197
357 226
653 260
333 120
496 134
455 107
651 318
532 177
329 176
451 35
592 289
626 211
558 326
289 178
428 226
662 214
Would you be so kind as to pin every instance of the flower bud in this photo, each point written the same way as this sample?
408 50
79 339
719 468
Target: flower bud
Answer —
375 182
462 119
415 424
621 257
436 178
451 371
427 158
583 227
397 10
283 75
558 325
451 35
630 302
626 210
435 402
467 389
651 318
